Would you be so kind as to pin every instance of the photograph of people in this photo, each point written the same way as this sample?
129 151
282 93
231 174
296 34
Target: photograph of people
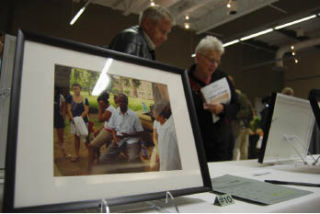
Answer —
78 108
125 128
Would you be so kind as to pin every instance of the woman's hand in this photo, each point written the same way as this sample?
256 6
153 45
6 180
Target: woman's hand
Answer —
215 108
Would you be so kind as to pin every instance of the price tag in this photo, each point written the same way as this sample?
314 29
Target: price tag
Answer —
223 200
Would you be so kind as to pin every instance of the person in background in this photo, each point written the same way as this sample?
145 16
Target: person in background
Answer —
104 136
217 136
77 105
255 135
241 125
155 23
243 119
288 91
59 117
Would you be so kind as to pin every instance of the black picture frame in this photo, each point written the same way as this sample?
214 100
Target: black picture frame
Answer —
13 176
314 99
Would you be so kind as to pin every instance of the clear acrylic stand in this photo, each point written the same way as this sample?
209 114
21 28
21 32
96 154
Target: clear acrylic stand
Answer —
161 206
104 206
316 161
293 141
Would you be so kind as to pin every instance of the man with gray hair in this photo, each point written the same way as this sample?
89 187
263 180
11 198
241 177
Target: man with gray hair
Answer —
217 135
155 22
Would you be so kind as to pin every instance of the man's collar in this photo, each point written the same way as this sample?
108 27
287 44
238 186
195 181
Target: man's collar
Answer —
151 44
126 113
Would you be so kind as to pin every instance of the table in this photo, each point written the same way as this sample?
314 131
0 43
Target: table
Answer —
203 202
252 169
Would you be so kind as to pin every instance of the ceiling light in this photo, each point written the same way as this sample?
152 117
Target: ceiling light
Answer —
256 34
229 3
232 7
75 18
186 25
187 17
231 43
296 61
295 22
152 3
292 47
193 55
293 53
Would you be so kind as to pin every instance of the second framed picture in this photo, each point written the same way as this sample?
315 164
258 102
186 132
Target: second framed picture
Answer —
87 123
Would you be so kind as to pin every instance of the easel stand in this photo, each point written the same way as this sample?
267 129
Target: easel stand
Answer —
295 142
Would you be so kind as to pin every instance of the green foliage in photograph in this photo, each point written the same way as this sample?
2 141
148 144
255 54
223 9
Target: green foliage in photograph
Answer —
93 103
87 79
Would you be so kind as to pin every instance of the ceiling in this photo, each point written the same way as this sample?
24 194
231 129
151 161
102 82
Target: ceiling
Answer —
213 17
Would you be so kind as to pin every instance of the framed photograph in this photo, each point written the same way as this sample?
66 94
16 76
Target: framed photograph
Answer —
289 129
88 124
314 98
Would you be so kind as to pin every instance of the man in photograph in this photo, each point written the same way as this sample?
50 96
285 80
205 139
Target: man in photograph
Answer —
127 129
155 24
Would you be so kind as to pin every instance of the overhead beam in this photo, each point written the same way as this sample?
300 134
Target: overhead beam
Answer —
292 34
260 45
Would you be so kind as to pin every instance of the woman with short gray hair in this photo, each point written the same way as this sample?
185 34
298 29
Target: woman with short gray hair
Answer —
217 135
209 43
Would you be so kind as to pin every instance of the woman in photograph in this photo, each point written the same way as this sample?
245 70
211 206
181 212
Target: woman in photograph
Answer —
169 158
104 137
77 106
59 117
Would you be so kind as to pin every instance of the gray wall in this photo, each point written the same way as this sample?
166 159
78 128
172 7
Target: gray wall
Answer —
305 75
257 82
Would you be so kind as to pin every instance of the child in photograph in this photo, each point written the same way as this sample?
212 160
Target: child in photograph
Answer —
77 106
